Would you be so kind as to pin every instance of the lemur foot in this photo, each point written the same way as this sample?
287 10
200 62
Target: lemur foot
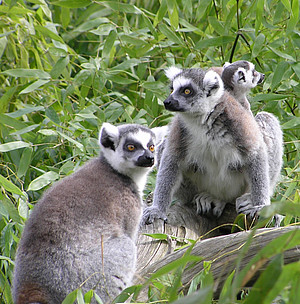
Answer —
206 204
151 213
245 205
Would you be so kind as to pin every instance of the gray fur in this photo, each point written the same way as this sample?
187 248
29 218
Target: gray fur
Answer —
214 147
268 123
88 217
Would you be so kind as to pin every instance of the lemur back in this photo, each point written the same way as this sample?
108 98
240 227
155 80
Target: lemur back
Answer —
214 146
84 228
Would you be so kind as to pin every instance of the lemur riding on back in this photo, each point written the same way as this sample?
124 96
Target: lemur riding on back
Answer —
83 231
214 147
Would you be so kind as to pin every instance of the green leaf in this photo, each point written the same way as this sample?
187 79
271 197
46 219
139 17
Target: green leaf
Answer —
258 45
59 67
121 7
71 140
109 43
35 85
70 298
48 33
281 68
9 186
52 115
281 54
266 281
3 43
72 3
269 97
202 296
11 209
24 162
170 34
205 43
5 99
42 181
25 111
14 145
157 236
291 124
27 73
258 14
294 17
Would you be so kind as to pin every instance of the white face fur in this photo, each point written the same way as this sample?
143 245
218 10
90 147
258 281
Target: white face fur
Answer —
243 78
194 94
131 154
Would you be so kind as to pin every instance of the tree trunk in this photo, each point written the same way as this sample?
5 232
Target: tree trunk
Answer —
223 249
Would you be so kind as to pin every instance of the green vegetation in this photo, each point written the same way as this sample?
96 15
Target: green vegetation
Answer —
69 65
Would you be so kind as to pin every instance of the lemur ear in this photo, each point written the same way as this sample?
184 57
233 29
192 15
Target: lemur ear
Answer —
160 134
109 136
226 64
172 72
212 82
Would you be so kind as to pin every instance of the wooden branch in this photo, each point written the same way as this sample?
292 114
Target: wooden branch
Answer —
222 250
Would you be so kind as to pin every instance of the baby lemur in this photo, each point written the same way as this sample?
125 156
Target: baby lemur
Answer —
239 77
84 228
214 146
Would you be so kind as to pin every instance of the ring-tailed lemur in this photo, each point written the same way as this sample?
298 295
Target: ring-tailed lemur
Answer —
85 226
239 78
214 146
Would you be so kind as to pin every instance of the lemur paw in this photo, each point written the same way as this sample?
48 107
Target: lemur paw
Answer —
206 204
150 214
245 205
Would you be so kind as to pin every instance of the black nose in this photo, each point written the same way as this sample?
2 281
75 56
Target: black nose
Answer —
261 78
172 104
145 161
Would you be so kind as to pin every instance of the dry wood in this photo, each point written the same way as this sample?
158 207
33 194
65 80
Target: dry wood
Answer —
222 250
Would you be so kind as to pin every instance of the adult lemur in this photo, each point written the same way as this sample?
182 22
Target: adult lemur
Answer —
214 146
84 228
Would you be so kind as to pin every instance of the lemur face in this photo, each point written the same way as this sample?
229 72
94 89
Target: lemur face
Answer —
127 147
241 76
193 90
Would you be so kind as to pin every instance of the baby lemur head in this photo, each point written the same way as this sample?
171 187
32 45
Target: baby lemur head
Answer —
241 76
193 90
129 148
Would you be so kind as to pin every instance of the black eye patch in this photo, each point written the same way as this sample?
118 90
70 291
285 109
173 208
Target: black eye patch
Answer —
187 91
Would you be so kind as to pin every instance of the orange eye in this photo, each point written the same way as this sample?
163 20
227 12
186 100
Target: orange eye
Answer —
187 91
151 148
130 147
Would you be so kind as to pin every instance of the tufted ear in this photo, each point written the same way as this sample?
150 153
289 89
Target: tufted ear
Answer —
160 134
109 136
226 64
172 72
213 84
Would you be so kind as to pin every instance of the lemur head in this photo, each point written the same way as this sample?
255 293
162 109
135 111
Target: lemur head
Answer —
129 148
193 90
241 76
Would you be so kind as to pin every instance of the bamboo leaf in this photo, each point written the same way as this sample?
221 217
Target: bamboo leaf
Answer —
9 186
27 73
35 85
72 3
258 45
170 34
42 181
14 145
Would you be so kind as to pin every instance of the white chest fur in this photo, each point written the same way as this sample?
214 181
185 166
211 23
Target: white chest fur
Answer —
214 164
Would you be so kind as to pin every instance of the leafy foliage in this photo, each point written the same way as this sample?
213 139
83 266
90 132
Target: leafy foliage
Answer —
67 66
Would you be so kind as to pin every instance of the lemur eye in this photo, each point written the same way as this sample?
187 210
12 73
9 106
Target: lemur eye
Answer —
187 91
130 148
152 148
